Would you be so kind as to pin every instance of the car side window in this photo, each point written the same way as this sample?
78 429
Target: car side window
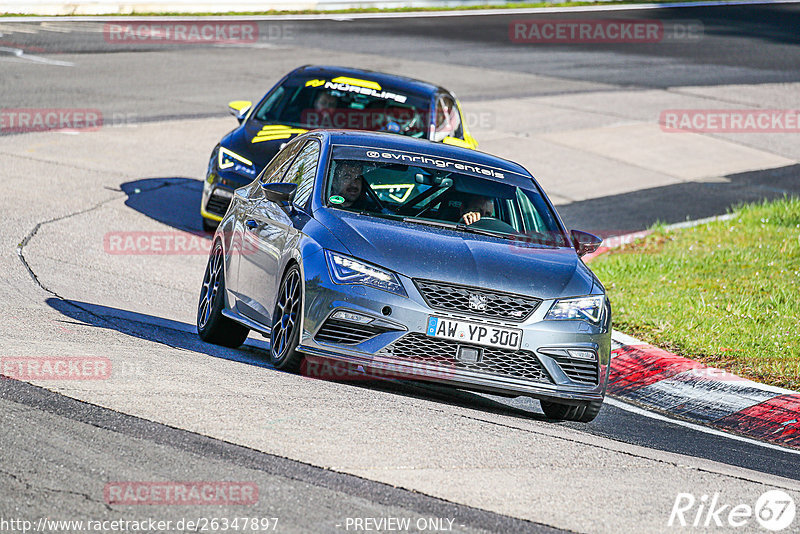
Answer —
303 171
277 166
448 119
531 217
270 104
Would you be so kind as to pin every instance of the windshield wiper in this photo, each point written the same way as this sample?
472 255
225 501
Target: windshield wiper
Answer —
458 226
430 222
389 216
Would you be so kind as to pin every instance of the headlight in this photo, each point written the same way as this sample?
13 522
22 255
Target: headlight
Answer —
228 159
347 270
582 308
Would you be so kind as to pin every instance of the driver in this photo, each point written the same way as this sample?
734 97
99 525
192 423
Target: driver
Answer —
325 102
476 207
348 183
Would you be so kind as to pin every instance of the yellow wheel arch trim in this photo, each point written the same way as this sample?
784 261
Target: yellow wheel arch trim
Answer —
207 215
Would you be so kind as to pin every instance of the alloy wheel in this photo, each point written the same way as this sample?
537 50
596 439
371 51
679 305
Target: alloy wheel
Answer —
210 287
287 312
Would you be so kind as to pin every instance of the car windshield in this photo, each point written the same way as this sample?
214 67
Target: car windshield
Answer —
360 105
442 198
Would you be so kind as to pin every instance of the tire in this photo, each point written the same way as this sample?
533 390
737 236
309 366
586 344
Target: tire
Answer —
582 413
285 333
212 326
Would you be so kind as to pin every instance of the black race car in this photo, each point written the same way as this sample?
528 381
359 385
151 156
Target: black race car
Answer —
313 97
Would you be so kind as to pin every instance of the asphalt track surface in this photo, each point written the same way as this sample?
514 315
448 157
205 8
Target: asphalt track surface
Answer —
184 410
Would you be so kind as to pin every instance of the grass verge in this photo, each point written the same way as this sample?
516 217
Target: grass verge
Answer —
432 9
726 293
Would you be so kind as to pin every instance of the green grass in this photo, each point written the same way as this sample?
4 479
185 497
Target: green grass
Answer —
726 293
510 5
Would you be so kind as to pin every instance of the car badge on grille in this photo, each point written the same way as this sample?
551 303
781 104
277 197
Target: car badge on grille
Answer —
477 302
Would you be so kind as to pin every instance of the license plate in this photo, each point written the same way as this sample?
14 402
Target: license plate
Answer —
479 334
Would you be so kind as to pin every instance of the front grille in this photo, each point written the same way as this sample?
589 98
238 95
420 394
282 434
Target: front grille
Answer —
218 205
421 348
476 301
580 371
346 333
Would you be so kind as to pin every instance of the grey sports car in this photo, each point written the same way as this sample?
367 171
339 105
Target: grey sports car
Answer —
428 261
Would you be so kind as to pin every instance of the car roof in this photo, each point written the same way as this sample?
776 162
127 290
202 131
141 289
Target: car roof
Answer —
390 141
392 80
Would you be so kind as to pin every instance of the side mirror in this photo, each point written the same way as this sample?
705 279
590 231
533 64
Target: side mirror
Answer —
584 242
239 108
279 191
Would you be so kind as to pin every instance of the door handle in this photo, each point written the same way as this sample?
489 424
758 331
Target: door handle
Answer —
250 223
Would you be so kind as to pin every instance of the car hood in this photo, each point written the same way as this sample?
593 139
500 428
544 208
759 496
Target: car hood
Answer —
420 251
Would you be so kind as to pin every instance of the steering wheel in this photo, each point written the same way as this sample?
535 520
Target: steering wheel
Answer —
494 224
486 219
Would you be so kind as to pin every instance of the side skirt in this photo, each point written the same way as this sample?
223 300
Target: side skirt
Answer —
246 321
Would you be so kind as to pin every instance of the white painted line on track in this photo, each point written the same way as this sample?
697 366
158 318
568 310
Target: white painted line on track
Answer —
700 428
698 222
625 339
20 54
401 15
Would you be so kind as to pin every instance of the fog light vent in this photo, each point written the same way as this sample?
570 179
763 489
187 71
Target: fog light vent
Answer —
351 317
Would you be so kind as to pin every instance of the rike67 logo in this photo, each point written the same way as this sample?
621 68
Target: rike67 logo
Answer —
774 510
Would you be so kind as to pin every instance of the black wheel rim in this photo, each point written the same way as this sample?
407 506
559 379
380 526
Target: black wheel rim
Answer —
287 312
210 288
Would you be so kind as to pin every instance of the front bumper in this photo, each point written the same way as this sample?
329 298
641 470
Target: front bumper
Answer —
395 344
215 201
218 194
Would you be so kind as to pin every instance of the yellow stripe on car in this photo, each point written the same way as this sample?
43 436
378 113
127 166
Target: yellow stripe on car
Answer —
357 82
272 132
275 127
